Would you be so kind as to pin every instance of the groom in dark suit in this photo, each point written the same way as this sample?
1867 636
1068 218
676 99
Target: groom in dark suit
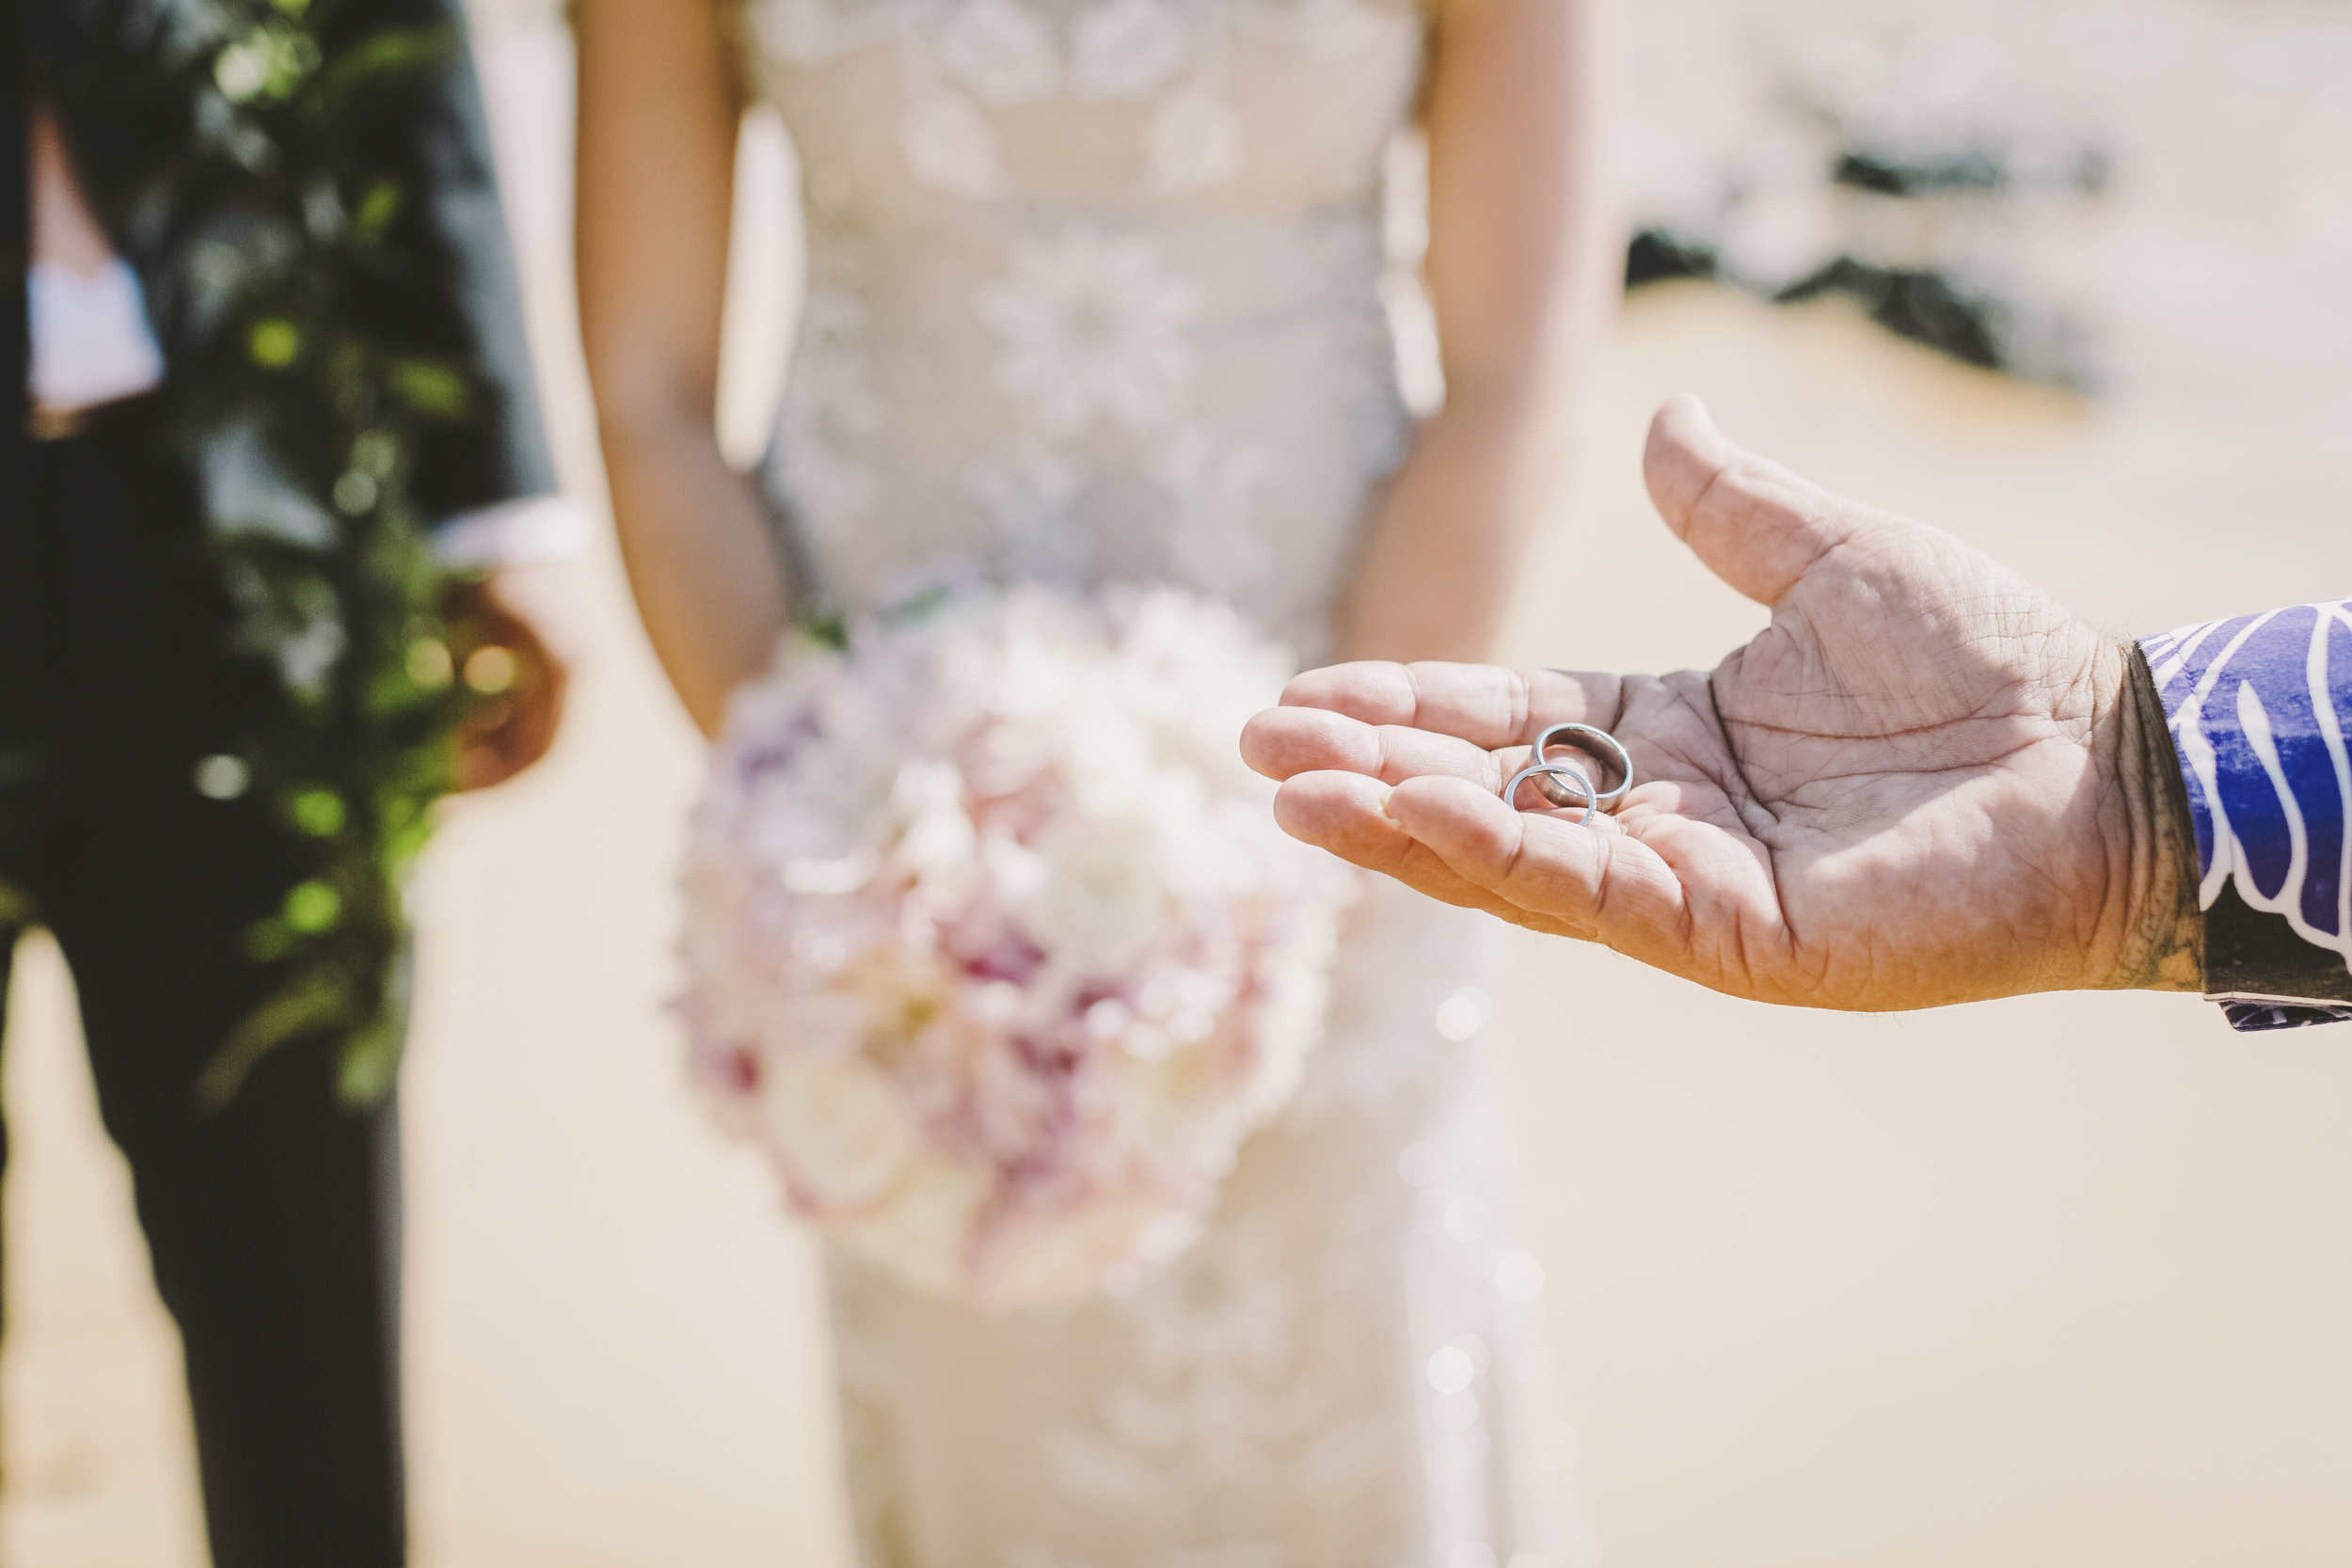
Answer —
273 1223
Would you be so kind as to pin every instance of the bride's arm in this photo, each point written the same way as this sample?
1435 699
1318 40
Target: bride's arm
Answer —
658 117
1525 255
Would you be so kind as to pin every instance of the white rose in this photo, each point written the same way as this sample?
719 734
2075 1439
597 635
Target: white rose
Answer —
1040 670
1207 858
921 1234
1017 872
840 1127
1105 900
936 842
1105 763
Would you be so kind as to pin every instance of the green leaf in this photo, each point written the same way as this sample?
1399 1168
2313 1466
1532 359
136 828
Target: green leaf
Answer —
428 664
313 907
318 1000
431 388
371 1062
355 493
376 210
319 812
267 65
375 453
360 73
267 941
274 343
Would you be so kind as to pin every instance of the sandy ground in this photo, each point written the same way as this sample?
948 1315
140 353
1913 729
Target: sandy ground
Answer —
2045 1282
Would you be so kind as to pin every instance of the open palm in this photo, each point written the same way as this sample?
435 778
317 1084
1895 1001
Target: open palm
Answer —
1922 784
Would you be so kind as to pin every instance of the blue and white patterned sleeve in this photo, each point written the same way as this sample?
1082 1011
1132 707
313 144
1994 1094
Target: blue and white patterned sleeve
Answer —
2259 707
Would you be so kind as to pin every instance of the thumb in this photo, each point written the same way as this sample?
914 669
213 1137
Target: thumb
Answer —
1754 524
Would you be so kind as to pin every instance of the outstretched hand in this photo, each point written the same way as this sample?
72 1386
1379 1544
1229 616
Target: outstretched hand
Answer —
1925 782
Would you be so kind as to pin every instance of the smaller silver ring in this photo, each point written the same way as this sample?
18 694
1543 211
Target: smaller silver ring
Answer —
1604 799
1543 773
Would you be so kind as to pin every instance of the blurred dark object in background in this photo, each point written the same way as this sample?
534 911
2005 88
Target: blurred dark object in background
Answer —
1937 304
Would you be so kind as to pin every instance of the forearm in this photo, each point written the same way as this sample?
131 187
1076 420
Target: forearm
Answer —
1523 259
659 110
1439 564
701 561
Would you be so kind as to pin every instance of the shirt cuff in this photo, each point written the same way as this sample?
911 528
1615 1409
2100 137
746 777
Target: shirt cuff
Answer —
2249 1018
538 528
2258 707
91 345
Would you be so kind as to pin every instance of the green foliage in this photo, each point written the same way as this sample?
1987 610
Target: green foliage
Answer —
318 812
277 216
274 344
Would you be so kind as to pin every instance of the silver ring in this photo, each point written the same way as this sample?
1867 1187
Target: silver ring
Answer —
1581 736
1543 773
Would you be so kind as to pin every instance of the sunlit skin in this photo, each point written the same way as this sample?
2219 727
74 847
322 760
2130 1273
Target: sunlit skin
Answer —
1522 260
526 609
1925 782
66 232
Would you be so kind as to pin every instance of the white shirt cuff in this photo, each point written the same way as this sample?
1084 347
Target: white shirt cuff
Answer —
90 340
538 528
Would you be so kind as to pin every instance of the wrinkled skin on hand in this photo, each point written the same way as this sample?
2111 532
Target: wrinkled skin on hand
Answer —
1925 782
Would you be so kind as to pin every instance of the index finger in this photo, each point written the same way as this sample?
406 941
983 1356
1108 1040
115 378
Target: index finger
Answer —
1485 704
1285 742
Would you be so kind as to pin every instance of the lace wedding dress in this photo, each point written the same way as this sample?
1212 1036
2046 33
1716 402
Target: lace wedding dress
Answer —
1095 291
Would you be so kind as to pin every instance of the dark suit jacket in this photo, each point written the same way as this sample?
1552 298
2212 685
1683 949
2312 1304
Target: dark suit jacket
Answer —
453 292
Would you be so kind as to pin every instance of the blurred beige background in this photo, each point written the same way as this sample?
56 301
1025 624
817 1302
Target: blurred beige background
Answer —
2047 1282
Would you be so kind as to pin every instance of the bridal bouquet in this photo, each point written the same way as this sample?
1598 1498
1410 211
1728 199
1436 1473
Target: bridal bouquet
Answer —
991 942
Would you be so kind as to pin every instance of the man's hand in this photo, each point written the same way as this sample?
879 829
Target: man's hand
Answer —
1926 782
512 639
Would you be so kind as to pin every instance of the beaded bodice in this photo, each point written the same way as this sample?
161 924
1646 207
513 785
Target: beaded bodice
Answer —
1095 289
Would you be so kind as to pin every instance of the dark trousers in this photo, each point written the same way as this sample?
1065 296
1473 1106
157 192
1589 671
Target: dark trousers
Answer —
272 1225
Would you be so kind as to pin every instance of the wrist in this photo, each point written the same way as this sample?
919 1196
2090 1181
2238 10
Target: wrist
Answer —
2162 944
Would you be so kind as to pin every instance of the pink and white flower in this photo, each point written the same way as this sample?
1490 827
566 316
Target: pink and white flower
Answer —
991 942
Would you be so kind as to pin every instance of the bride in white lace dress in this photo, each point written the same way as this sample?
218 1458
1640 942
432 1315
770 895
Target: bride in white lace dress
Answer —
1096 289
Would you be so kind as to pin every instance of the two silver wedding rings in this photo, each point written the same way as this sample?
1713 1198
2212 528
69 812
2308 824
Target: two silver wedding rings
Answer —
1566 783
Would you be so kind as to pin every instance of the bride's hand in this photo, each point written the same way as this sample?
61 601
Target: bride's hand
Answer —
1925 782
